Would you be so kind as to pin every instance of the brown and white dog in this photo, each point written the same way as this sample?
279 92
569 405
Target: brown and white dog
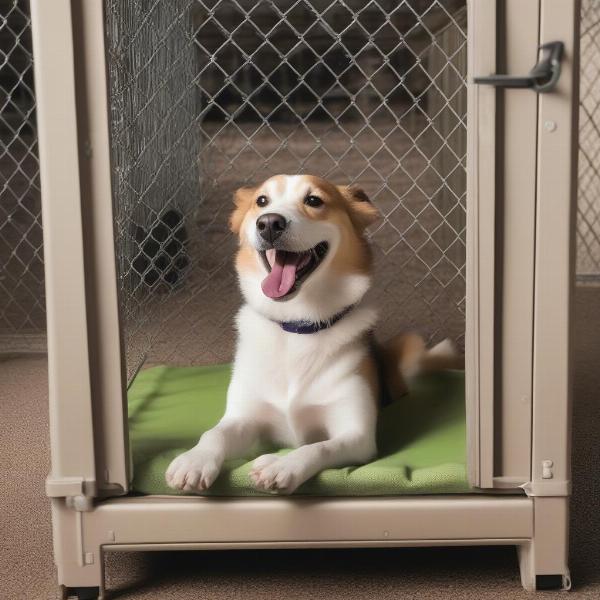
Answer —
305 373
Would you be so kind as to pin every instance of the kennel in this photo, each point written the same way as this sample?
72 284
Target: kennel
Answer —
147 110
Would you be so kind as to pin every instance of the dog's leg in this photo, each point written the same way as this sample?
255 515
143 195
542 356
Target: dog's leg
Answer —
196 469
285 473
350 425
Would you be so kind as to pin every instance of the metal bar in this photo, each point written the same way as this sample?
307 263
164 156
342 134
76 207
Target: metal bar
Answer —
481 207
516 234
279 521
554 268
321 544
71 422
106 355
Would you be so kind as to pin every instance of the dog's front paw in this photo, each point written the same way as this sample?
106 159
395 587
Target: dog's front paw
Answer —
192 471
278 474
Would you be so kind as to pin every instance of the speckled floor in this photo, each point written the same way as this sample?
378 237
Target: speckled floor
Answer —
26 569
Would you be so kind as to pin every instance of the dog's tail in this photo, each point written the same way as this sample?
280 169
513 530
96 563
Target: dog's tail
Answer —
406 355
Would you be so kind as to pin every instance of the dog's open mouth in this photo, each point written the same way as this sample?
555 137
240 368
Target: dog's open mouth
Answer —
288 270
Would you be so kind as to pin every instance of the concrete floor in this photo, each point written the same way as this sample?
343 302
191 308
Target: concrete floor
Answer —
26 569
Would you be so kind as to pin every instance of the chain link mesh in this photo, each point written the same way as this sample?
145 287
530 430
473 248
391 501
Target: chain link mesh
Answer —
22 316
588 209
210 95
206 96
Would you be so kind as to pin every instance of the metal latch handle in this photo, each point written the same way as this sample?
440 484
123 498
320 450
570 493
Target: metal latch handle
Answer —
542 78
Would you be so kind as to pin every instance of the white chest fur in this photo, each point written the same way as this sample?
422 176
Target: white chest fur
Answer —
288 380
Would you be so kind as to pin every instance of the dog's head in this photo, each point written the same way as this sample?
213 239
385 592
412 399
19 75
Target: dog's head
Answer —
303 253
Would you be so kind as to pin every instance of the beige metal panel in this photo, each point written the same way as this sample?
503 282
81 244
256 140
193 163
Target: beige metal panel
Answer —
554 272
481 193
282 520
516 233
71 431
106 357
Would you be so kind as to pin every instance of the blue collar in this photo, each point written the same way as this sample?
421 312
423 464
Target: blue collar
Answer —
313 326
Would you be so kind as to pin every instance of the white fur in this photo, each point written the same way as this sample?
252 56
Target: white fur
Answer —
297 390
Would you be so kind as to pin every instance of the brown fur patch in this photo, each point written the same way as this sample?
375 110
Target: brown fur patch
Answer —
401 353
349 208
354 253
361 211
406 354
244 199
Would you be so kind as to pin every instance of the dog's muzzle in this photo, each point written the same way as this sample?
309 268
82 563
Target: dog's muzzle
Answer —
270 226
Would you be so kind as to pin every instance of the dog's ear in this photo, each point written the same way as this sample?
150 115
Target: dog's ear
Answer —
361 209
243 199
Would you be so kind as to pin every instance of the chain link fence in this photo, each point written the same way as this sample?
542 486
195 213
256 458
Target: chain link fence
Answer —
22 319
209 95
588 209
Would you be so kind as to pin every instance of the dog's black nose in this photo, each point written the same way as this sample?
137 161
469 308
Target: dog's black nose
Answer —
271 226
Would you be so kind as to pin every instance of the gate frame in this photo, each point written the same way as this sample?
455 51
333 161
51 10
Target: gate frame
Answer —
87 384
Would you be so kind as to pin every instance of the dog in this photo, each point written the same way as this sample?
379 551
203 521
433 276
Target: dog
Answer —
307 373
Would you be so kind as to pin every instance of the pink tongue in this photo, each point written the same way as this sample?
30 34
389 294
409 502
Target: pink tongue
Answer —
282 276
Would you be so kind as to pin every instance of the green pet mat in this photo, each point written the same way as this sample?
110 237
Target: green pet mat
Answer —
421 437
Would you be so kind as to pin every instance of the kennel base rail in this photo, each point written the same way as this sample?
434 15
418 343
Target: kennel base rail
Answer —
195 523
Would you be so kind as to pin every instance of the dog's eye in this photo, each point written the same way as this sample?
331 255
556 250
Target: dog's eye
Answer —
313 201
262 201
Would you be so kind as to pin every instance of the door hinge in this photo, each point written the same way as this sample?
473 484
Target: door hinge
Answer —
80 503
78 491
